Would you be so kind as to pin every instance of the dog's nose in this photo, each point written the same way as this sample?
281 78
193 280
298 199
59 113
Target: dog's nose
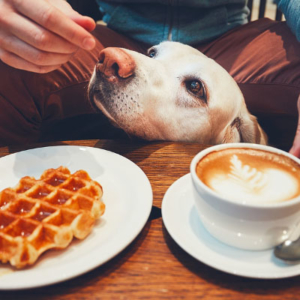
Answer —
115 62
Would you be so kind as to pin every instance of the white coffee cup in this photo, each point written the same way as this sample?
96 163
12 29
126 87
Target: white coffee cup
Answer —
251 225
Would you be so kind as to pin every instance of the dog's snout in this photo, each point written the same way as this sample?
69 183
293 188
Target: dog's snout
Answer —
115 63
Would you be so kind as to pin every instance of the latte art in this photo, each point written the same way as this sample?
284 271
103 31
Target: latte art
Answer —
251 180
250 175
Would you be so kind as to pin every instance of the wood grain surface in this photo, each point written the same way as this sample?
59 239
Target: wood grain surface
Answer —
153 266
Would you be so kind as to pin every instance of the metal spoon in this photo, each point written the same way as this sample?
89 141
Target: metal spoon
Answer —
289 250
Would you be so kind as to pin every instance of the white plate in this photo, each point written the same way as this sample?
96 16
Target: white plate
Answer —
184 225
127 196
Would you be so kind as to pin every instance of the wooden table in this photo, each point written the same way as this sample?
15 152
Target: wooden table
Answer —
153 266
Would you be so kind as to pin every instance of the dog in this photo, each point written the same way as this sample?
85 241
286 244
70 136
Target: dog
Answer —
174 93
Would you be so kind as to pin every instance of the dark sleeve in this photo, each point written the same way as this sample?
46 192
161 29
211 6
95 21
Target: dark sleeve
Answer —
291 11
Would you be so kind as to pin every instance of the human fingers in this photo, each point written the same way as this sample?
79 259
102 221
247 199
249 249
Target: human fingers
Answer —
84 21
19 63
25 51
35 35
54 20
295 150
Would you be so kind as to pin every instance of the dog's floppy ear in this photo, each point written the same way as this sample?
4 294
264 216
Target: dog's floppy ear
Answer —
244 130
232 132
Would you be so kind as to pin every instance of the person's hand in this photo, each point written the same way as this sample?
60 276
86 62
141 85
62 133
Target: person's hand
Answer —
295 150
40 35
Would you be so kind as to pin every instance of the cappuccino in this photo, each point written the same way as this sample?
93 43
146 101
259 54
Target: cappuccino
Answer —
248 175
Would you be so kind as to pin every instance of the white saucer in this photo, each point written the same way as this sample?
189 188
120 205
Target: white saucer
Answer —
184 225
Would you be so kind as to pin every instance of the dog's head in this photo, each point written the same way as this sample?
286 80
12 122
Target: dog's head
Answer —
175 93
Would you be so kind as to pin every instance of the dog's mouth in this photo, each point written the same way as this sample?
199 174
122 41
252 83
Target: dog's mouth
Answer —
102 89
110 98
97 100
94 94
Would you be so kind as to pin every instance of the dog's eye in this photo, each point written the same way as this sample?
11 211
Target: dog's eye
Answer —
196 88
152 53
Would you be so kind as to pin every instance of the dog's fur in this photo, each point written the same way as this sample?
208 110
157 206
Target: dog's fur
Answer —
156 103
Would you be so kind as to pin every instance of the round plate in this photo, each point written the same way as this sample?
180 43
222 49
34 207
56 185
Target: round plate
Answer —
127 195
184 225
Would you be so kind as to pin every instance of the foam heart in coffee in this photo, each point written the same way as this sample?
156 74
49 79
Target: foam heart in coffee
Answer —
250 175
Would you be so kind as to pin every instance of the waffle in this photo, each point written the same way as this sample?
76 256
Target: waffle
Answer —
45 213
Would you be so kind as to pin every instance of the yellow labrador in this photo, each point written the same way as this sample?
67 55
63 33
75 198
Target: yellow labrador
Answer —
175 93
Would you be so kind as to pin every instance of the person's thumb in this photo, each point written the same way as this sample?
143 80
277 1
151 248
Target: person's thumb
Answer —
295 150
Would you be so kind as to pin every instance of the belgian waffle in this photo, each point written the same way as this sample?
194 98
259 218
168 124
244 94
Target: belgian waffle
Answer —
45 213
